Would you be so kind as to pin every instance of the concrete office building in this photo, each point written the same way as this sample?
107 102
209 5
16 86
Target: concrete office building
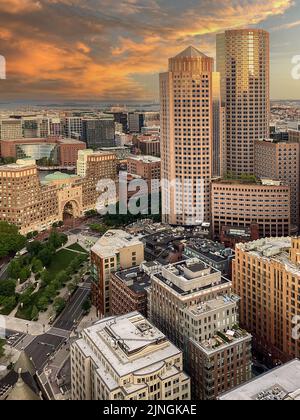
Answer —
219 145
238 204
99 132
266 275
11 128
135 122
281 160
73 127
146 167
116 250
187 138
127 358
243 61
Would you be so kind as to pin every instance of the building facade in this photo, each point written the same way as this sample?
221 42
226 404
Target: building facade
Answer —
243 60
33 205
281 160
194 306
266 275
187 138
99 132
116 250
127 358
237 204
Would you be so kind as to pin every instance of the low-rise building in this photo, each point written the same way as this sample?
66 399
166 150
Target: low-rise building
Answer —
128 289
212 253
127 358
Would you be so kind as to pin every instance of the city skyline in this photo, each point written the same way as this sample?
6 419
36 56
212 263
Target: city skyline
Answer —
98 50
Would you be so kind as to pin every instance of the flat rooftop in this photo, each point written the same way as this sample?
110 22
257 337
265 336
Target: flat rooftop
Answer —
114 240
129 343
276 249
145 159
210 249
282 383
223 340
213 305
190 276
135 279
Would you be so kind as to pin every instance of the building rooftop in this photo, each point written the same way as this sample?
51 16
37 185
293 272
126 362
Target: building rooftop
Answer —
222 340
213 305
114 240
282 383
212 250
276 249
190 276
191 52
129 343
135 279
145 159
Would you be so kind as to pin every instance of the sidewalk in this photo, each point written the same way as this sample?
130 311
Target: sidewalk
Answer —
25 327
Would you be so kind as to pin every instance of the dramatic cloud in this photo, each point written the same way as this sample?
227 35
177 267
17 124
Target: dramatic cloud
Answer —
109 49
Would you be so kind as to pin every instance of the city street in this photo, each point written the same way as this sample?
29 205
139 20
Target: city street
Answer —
43 347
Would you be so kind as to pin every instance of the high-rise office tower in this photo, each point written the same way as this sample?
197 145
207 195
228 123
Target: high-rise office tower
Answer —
218 162
186 138
243 60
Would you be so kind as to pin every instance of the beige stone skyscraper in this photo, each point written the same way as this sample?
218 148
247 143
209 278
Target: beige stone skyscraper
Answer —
243 58
186 138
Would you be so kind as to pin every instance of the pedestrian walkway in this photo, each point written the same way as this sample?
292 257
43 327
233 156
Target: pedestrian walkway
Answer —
25 327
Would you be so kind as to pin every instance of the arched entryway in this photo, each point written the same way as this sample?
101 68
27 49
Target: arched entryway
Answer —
70 213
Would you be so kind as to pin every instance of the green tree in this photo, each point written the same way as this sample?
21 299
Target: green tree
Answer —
10 239
45 255
37 265
34 248
42 303
86 306
2 351
24 274
34 313
7 287
59 305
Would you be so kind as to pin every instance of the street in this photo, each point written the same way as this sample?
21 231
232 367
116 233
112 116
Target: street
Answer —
43 347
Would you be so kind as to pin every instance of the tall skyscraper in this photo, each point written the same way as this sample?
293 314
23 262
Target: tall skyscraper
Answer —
186 138
243 60
218 128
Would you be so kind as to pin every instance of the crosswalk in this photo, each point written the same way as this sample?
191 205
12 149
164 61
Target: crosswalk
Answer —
59 332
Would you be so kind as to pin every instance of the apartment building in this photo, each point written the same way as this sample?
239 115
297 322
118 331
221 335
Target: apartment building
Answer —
238 204
193 305
11 128
116 250
127 358
266 275
147 167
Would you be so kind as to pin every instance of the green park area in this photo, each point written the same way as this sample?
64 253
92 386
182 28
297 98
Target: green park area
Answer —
35 280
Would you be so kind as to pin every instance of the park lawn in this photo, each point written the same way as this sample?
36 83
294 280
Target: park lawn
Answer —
61 261
77 247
